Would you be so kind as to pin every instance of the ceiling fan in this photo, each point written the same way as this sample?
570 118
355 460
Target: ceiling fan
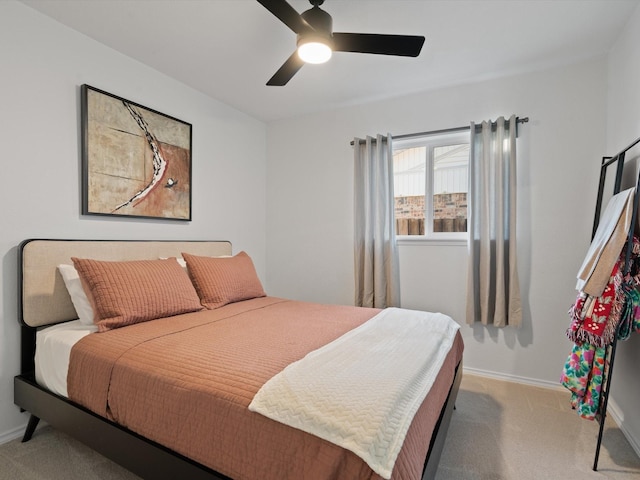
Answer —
316 40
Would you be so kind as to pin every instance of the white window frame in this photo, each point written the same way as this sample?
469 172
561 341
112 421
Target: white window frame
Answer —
431 142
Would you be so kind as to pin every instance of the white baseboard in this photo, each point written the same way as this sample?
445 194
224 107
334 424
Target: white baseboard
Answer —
613 410
513 378
12 434
18 432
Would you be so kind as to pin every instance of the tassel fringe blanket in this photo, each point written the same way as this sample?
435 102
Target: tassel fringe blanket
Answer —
594 322
362 390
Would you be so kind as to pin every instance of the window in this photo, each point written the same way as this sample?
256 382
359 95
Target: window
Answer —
431 185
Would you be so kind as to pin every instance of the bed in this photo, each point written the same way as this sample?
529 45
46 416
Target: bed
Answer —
160 435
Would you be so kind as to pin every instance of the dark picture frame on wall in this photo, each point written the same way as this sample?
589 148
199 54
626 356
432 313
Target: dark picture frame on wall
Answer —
136 161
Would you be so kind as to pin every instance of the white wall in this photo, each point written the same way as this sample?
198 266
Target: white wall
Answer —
623 127
302 244
309 219
42 65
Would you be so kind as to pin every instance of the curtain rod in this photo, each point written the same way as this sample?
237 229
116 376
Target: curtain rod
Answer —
446 130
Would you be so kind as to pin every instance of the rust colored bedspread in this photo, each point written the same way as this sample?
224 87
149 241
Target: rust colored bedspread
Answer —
186 382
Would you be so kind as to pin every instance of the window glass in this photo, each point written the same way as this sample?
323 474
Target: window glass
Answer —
409 167
431 185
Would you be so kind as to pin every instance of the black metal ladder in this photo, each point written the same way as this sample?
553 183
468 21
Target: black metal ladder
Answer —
619 161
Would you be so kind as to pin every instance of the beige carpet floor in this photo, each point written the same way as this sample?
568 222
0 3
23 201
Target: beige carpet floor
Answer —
500 430
505 430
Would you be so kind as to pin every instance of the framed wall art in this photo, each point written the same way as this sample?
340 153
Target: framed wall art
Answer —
136 162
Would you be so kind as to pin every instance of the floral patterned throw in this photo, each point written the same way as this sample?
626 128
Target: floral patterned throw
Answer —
594 323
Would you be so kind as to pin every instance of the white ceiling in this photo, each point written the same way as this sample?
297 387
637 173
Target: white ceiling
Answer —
228 49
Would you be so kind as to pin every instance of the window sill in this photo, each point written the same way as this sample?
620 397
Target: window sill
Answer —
404 240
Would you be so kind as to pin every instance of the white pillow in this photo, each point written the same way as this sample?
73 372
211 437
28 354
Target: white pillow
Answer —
183 263
76 292
180 260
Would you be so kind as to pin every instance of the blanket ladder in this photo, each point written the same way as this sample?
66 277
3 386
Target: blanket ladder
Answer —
619 161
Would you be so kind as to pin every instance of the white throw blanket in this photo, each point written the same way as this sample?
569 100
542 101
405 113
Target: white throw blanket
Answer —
362 390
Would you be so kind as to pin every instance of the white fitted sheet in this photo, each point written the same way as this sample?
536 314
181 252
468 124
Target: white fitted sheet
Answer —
53 348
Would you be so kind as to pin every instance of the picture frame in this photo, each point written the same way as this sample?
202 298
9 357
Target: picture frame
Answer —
136 161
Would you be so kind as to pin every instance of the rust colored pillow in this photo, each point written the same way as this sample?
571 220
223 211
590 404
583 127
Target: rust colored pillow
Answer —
123 293
223 280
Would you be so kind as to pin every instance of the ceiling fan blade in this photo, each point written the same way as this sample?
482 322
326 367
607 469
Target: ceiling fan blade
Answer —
381 44
287 15
286 71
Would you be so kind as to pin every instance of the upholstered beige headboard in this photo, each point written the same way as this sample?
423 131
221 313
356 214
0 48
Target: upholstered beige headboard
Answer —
43 296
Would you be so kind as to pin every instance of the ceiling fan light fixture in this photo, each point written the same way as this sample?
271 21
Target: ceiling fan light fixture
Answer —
314 51
316 39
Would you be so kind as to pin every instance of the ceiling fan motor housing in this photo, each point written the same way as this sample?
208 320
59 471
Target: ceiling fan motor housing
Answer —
322 25
316 39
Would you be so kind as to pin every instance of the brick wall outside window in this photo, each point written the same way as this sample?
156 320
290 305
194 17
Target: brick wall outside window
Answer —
450 213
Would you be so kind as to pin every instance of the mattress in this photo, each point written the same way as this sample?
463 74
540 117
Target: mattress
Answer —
186 382
53 348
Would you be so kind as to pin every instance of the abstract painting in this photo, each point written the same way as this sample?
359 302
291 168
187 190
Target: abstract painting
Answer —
136 162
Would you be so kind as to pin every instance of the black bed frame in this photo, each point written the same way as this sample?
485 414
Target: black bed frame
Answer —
149 459
134 452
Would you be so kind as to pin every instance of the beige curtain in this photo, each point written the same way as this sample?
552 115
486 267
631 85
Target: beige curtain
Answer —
377 279
493 289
